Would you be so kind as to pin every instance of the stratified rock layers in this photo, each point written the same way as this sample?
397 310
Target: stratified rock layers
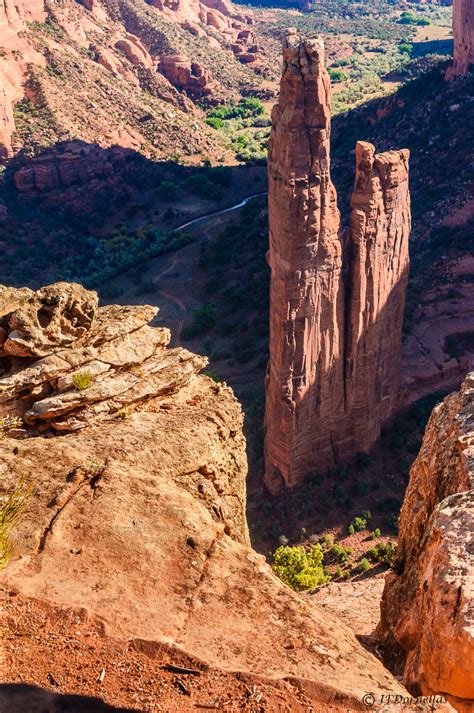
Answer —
378 274
333 374
305 385
428 601
463 29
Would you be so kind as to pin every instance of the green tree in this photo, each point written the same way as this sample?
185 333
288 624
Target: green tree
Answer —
300 569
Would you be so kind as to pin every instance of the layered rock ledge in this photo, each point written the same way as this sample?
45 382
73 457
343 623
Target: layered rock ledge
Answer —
428 601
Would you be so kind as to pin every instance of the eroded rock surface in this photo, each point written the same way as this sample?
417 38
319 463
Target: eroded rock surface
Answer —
428 601
185 75
137 519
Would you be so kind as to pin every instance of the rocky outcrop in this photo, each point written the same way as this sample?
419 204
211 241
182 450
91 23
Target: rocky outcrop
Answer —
134 50
305 381
67 364
378 275
141 510
185 75
463 29
427 606
67 165
215 15
334 368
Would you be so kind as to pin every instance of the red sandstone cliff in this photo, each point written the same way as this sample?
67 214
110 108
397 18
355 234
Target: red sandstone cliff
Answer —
463 28
427 606
378 275
305 374
334 368
14 56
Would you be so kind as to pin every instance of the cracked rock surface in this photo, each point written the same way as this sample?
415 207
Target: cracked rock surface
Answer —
427 606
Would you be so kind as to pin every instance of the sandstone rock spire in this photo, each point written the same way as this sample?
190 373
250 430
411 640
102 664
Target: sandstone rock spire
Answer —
305 374
333 374
463 29
377 279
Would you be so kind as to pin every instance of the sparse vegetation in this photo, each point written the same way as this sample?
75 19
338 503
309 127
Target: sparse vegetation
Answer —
82 380
12 506
383 552
7 423
360 522
363 566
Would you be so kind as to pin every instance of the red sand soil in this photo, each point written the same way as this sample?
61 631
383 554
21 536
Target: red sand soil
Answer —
65 652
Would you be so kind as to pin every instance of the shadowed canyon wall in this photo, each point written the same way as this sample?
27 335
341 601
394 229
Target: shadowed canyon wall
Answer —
334 349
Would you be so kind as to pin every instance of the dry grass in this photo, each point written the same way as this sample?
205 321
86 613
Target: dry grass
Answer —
11 508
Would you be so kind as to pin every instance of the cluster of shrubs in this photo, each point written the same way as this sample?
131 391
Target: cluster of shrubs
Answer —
106 258
300 568
360 522
245 127
304 568
409 18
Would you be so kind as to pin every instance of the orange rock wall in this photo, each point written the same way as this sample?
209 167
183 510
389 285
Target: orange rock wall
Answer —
427 606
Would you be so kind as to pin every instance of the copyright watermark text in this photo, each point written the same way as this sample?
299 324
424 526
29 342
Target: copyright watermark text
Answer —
376 699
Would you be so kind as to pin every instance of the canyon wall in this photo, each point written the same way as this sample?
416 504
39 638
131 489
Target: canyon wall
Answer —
305 381
137 467
15 54
428 601
463 28
334 366
378 275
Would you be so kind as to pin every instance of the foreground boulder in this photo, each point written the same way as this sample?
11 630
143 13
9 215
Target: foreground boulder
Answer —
137 517
428 602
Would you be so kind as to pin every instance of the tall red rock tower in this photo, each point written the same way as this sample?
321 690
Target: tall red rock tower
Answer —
333 375
305 380
463 30
377 280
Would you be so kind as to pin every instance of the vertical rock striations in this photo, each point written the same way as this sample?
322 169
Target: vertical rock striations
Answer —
428 601
378 274
463 29
305 376
333 374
